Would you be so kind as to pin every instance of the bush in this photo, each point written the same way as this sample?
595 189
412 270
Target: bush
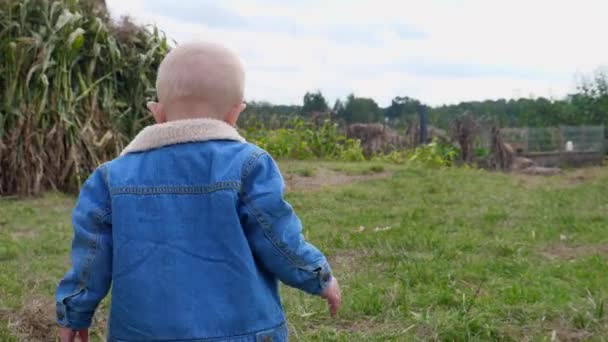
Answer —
301 140
435 154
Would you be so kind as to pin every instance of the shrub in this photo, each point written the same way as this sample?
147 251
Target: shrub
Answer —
301 140
435 154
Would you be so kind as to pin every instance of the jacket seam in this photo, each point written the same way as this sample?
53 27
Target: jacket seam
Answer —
106 180
176 189
91 245
278 245
250 163
293 259
84 276
100 217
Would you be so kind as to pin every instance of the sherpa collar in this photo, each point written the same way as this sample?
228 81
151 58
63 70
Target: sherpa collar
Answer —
181 131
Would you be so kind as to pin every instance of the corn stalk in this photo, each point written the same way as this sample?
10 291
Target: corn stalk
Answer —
73 88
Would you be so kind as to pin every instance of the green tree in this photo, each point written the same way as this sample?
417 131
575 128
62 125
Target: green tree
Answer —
338 107
591 101
314 102
404 107
360 109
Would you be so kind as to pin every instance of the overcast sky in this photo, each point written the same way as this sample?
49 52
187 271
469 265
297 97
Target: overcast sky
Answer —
438 51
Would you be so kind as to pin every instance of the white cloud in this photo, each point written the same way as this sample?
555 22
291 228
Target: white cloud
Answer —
439 51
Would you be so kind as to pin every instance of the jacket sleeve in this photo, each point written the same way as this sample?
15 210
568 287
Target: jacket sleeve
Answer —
274 231
89 279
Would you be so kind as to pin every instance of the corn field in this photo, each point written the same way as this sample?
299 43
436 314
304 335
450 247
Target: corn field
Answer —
73 88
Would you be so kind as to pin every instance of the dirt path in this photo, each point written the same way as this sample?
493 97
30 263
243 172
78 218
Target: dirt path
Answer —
566 179
563 251
325 177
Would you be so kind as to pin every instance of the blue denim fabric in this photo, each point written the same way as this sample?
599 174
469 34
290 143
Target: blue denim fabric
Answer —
193 239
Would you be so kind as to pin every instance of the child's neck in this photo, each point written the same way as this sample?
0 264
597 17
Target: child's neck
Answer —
192 111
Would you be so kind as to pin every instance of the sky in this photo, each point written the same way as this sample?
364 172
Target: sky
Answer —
438 51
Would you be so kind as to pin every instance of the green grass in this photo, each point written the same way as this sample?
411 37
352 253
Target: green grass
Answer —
448 254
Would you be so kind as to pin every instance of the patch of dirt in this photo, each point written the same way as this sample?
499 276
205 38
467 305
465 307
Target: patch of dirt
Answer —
553 333
347 260
368 328
541 171
585 175
563 331
570 335
567 179
551 329
347 263
562 251
371 328
325 177
26 233
35 321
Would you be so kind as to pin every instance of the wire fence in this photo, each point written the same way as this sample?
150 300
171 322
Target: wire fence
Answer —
556 139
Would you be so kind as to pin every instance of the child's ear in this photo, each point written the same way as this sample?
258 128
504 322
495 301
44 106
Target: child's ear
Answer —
234 114
156 109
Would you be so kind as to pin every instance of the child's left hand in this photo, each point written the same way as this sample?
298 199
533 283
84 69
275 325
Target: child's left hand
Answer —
333 295
69 335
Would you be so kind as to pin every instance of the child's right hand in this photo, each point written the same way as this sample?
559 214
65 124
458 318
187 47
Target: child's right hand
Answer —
333 295
69 335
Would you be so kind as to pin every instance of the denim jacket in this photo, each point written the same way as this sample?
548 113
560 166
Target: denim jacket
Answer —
190 230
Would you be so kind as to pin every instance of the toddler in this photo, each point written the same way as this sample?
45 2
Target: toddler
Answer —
189 226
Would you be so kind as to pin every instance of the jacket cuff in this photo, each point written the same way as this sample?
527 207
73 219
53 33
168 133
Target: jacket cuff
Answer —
73 319
321 279
325 277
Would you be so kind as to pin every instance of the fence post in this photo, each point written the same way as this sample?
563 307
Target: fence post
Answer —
423 127
604 145
561 147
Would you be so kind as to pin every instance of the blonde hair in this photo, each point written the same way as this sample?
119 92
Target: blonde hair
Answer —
203 73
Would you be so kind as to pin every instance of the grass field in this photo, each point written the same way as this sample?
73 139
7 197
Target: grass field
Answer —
451 254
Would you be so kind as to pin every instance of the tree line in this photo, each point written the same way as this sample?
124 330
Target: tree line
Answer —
587 106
